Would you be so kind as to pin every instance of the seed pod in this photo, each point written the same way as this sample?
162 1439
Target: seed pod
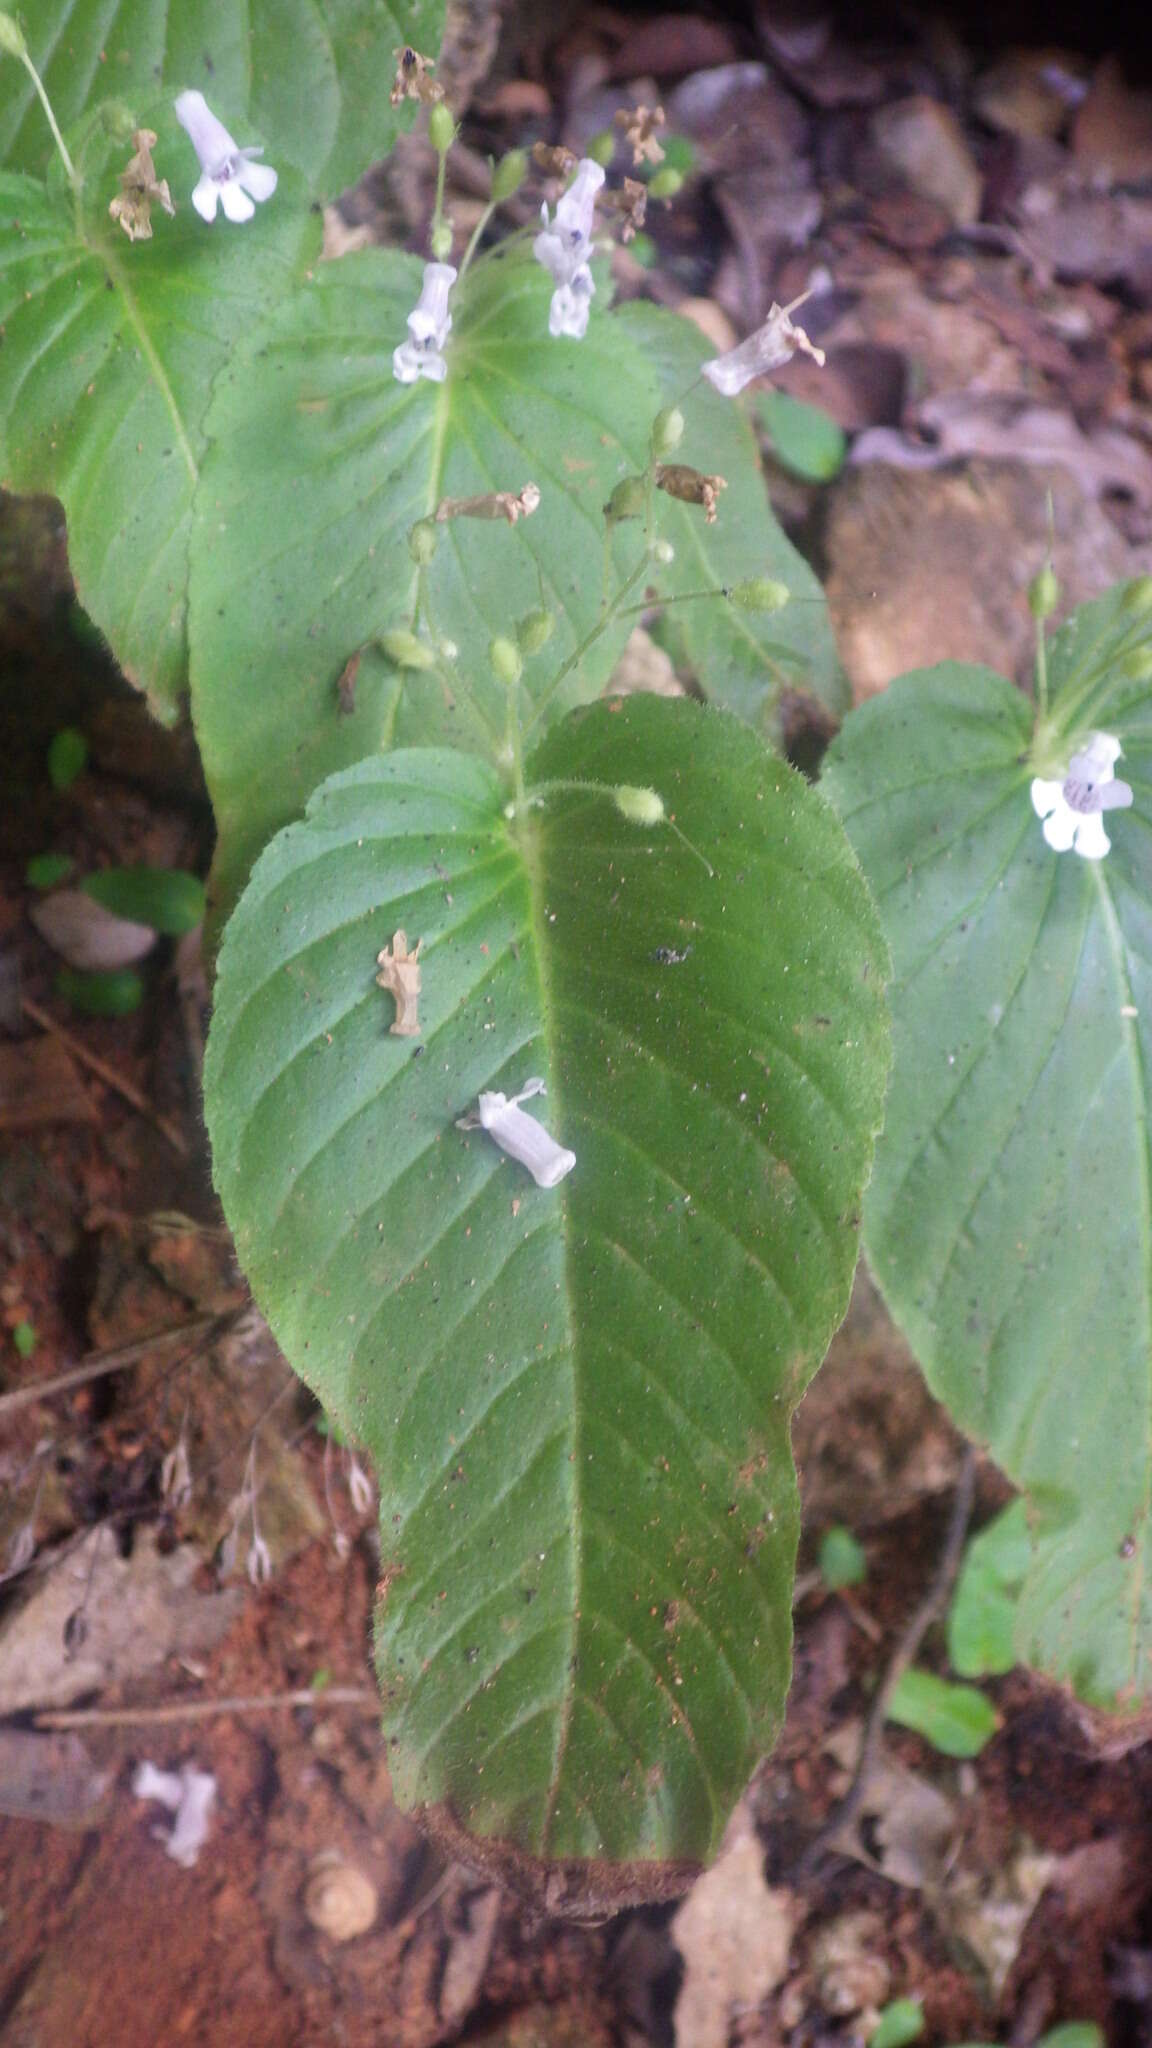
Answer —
11 39
1043 593
639 806
628 500
759 594
404 650
666 184
667 431
440 240
441 128
423 541
509 175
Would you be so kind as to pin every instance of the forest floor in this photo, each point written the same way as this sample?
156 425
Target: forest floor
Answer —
975 228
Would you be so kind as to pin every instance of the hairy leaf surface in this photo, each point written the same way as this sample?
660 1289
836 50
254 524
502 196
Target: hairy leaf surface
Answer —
322 462
1009 1219
577 1399
110 350
311 76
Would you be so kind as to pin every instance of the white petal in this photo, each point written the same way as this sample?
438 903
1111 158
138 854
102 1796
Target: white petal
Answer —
236 203
549 250
209 137
1045 795
522 1137
1092 841
765 350
258 179
205 197
568 313
1060 828
1096 762
1113 796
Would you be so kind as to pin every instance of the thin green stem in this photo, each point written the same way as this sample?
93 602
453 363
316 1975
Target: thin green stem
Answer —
1041 671
590 638
563 783
474 239
45 102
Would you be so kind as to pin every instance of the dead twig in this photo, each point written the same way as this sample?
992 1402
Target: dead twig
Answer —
101 1362
109 1075
205 1710
909 1641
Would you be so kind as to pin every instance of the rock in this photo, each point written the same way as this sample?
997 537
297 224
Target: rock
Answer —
1113 131
1029 92
340 1900
922 140
928 567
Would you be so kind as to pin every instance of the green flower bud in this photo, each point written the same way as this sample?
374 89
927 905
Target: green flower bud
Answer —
535 631
423 541
506 659
440 239
629 500
404 650
1138 596
1043 593
759 594
639 806
1136 667
667 431
11 37
509 174
118 120
663 551
602 148
666 184
441 127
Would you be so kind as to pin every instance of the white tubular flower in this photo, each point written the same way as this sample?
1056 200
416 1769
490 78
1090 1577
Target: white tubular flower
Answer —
230 176
519 1135
771 345
1072 809
564 245
429 325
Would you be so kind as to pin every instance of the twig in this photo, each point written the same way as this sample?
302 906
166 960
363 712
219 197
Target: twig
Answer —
205 1710
910 1639
101 1362
108 1074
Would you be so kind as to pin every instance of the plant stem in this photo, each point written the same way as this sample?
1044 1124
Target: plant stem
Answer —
438 208
1041 671
474 239
607 614
45 102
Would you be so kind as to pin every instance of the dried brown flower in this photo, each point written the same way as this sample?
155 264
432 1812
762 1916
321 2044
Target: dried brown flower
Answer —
412 80
640 125
691 486
139 186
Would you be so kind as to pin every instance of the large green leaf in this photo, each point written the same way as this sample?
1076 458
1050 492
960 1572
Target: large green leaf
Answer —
1008 1222
312 77
322 462
109 354
577 1399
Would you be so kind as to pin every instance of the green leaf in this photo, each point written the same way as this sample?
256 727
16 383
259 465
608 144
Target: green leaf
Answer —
956 1719
24 1338
577 1398
110 352
45 870
1008 1221
747 662
321 464
312 77
982 1617
169 899
113 994
900 2022
67 757
1073 2034
842 1561
804 439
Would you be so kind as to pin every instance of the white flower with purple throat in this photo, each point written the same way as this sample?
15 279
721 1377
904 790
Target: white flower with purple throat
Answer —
429 325
229 175
564 246
1072 808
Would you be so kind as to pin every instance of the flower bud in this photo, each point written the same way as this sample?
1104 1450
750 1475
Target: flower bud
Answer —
12 42
509 174
639 806
423 541
629 499
667 431
1043 593
666 184
441 127
759 594
506 659
1138 596
404 650
440 239
663 551
535 631
602 148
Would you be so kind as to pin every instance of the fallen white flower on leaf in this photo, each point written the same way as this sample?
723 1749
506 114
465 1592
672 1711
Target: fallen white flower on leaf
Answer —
772 344
564 245
189 1795
1071 809
429 325
520 1135
230 176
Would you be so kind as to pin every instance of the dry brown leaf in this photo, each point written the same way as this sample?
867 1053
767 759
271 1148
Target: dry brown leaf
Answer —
734 1932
